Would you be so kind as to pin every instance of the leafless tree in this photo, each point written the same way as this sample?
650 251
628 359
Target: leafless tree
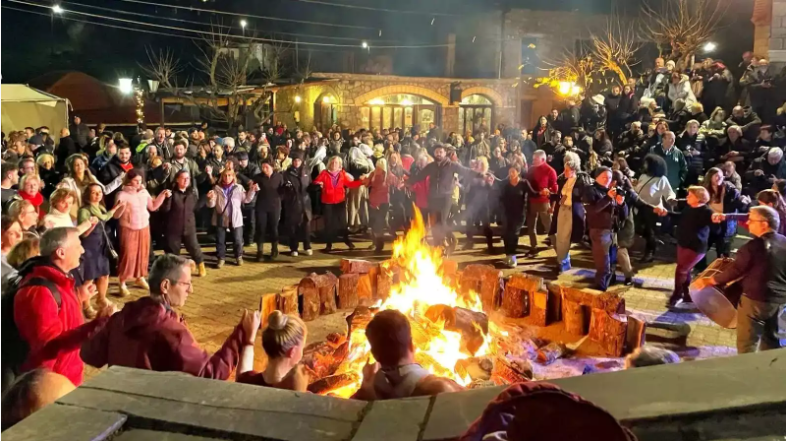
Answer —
615 50
680 27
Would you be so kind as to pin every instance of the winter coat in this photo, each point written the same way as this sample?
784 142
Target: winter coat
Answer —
228 212
136 215
111 176
269 194
718 92
147 334
53 334
712 127
295 195
676 166
66 148
246 174
441 173
583 181
599 207
335 194
179 210
80 134
681 90
731 204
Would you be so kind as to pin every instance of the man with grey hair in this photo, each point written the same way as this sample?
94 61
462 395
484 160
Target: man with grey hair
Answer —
47 311
676 165
149 334
761 264
766 170
542 180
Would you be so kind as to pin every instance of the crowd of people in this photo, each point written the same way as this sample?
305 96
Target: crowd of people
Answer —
640 159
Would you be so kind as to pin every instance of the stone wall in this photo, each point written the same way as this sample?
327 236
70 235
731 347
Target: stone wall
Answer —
777 53
351 92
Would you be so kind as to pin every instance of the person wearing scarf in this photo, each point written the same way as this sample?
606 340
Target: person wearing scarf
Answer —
334 182
77 178
227 198
95 262
30 186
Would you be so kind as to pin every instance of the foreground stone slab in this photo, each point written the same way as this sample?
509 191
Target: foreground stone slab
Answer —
393 420
453 413
150 435
66 423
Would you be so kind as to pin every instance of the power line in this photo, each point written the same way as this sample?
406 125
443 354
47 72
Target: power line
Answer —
371 8
269 40
182 20
261 17
145 31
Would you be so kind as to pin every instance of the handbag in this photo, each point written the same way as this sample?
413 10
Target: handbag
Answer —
112 251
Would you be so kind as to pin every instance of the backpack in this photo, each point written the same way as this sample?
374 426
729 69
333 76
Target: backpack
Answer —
14 348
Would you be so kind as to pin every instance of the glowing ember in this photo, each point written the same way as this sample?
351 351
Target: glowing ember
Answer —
421 286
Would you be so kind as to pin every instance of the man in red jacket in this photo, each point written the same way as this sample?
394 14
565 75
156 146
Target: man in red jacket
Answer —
54 333
543 182
149 334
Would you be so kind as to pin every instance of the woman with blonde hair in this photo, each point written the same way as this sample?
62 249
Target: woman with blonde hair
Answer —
134 252
283 341
22 251
334 182
380 182
227 197
30 190
45 167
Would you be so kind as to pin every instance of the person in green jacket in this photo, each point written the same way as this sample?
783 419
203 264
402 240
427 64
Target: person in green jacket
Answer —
676 166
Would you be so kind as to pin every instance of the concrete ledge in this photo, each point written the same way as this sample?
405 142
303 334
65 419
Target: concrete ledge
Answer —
65 423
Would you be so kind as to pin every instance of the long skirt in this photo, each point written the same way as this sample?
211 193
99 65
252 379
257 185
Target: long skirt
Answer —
134 253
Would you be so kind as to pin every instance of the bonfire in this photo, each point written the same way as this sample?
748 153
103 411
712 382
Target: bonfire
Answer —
432 302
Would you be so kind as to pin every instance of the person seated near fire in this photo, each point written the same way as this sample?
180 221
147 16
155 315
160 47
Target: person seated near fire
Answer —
396 374
149 334
31 392
283 341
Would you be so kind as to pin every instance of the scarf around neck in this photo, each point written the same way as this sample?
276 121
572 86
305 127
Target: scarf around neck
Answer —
35 199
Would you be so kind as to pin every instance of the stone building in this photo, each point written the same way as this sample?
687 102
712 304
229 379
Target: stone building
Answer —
769 41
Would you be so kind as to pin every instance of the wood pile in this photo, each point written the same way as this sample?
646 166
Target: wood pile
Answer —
486 281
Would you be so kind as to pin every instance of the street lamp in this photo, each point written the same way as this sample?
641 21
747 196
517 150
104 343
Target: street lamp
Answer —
243 24
298 99
710 46
364 45
57 9
126 85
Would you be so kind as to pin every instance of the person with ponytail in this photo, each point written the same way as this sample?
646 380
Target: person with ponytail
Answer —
283 341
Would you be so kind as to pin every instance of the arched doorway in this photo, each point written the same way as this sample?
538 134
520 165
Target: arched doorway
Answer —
399 110
325 111
475 112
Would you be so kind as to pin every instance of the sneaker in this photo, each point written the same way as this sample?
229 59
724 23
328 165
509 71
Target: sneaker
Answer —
512 262
220 263
309 252
293 254
142 283
328 247
124 292
628 281
350 245
240 261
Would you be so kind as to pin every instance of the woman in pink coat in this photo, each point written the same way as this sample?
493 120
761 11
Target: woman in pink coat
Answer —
134 252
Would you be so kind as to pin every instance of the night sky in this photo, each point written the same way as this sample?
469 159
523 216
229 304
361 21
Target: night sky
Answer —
33 45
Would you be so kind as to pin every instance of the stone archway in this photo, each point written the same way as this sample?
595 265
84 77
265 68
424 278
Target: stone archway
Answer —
402 89
496 98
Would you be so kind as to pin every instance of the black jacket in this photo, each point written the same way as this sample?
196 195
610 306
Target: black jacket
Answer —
66 148
295 195
245 174
80 133
599 207
441 183
179 208
268 196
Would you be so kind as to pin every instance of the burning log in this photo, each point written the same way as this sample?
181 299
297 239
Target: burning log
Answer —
516 301
326 384
384 285
309 290
334 339
448 269
636 335
472 325
321 360
551 352
288 300
366 286
539 310
348 291
611 302
484 280
359 318
610 330
267 304
574 316
327 284
554 309
476 368
356 266
511 371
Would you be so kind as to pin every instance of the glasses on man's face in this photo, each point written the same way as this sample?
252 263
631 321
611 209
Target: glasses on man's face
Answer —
751 221
188 285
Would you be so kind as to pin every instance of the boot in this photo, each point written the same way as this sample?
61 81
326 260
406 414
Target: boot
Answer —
350 245
328 247
379 245
260 251
201 270
220 263
274 251
240 261
490 244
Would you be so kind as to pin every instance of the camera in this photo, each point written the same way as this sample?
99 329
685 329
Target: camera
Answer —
621 192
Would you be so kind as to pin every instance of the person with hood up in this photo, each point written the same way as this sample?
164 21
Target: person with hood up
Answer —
149 334
679 88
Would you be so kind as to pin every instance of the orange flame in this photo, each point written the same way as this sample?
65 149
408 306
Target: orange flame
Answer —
421 285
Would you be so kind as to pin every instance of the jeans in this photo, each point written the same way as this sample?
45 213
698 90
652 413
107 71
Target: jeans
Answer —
335 222
535 211
601 243
561 240
189 239
267 221
686 260
300 232
510 236
760 325
221 242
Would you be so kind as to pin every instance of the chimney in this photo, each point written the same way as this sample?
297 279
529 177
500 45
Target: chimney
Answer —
450 60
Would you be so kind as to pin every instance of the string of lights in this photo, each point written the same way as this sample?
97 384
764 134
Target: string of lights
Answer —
364 44
371 8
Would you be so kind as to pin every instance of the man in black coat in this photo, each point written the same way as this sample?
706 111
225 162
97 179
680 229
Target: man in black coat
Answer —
268 209
112 174
181 221
246 170
66 148
80 133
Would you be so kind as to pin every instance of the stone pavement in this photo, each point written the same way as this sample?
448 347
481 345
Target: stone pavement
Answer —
219 299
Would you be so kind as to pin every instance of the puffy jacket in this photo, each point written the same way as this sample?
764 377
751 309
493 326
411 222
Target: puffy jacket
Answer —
441 174
335 194
147 334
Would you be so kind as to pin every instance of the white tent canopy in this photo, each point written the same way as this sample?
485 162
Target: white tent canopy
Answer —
22 106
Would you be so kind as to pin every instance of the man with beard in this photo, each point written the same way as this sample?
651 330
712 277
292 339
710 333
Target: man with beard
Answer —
111 175
180 162
631 143
441 181
163 144
558 157
747 119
